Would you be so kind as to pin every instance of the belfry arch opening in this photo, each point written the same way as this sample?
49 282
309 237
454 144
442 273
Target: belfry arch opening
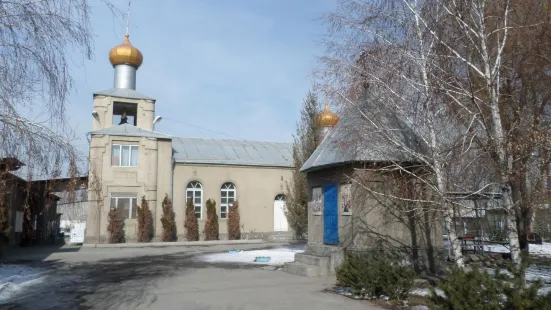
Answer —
125 113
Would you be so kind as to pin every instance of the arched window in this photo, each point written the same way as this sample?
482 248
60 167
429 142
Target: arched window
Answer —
280 197
227 194
194 191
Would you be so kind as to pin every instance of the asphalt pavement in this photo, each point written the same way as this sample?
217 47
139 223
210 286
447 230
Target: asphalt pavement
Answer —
166 278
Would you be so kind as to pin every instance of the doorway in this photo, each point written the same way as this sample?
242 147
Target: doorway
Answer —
280 220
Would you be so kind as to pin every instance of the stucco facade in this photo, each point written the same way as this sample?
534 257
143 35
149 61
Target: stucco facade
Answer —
256 189
151 178
367 218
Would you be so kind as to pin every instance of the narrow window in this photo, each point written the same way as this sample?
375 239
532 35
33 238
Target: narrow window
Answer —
116 155
227 197
194 191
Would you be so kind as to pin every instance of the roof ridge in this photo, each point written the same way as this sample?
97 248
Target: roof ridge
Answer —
127 129
224 139
123 93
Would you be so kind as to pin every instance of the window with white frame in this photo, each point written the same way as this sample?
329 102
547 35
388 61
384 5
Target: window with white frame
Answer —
124 155
227 194
125 203
194 191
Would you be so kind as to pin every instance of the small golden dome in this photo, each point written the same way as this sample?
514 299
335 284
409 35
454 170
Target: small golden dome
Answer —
126 54
327 118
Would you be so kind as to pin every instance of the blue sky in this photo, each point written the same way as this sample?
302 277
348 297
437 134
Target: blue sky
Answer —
237 69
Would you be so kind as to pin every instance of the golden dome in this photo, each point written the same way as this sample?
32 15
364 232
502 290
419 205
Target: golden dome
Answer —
126 54
327 118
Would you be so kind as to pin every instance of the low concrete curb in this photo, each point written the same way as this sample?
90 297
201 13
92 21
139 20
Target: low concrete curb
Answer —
171 244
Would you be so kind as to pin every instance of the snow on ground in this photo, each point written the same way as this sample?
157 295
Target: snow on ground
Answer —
536 249
13 278
425 292
277 256
533 273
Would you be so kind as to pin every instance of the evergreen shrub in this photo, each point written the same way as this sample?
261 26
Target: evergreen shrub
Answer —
191 225
372 274
211 225
234 228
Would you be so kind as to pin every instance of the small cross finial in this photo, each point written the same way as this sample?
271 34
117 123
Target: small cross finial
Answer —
128 18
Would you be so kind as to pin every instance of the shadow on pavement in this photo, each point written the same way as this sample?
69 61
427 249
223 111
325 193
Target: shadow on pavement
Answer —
107 284
13 254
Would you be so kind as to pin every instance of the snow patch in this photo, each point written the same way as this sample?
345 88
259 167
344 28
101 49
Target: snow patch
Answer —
13 278
277 256
425 292
536 249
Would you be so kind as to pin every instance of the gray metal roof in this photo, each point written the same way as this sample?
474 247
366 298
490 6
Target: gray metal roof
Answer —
232 152
358 137
127 130
123 93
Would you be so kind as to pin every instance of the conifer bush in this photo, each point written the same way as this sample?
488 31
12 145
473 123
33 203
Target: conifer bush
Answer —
375 273
478 289
115 226
168 221
306 139
234 228
211 226
145 227
191 225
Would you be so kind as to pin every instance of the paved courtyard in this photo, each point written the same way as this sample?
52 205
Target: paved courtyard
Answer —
165 278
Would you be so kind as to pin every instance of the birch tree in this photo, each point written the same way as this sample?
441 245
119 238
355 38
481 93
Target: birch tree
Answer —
525 108
470 76
35 40
384 44
482 54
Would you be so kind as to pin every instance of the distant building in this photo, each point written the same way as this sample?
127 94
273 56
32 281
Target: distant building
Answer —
129 160
31 206
73 207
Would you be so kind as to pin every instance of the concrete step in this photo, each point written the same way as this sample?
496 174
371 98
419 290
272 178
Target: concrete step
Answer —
321 261
322 250
302 269
281 236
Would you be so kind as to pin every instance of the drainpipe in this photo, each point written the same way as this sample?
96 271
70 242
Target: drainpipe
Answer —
172 180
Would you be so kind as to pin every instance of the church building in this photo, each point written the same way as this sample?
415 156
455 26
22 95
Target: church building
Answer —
355 190
130 160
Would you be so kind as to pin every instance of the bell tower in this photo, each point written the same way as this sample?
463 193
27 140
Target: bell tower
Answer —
123 104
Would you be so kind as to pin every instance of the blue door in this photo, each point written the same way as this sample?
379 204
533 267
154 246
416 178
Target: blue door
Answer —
330 215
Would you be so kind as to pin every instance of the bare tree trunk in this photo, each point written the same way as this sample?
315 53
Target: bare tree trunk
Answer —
428 236
433 144
414 243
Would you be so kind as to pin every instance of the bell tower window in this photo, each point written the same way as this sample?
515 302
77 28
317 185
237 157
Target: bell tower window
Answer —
125 113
